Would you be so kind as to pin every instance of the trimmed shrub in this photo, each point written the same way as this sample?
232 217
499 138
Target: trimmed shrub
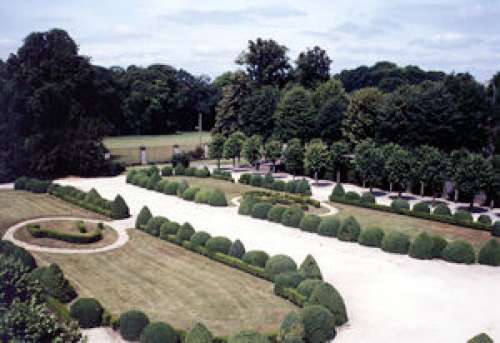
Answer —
237 249
185 232
256 180
441 210
179 170
338 191
291 329
203 172
310 223
71 237
438 245
159 332
20 183
275 213
170 188
143 218
200 238
52 281
490 253
484 219
329 226
190 171
278 185
199 334
303 187
319 324
132 323
292 216
279 264
421 247
161 185
349 231
87 312
256 258
167 171
182 187
219 244
268 180
246 205
154 224
310 269
93 197
371 237
153 180
291 186
307 286
396 242
287 280
248 337
400 205
190 193
495 229
326 295
459 251
463 216
352 196
203 195
168 228
260 210
245 178
481 338
421 207
367 198
217 198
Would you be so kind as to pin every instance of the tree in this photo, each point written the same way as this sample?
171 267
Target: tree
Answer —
293 117
273 151
256 116
315 157
266 62
430 168
369 162
223 80
337 158
216 147
293 156
251 149
330 101
399 167
312 67
233 145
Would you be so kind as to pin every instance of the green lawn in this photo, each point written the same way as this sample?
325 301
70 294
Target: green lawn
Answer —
185 138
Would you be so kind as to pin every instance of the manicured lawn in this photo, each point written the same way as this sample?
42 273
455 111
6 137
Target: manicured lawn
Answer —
174 285
185 138
17 206
412 226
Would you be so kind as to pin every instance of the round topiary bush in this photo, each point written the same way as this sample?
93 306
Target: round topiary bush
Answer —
256 180
159 332
310 269
367 198
459 251
185 232
153 180
171 187
352 196
442 210
290 186
292 216
481 338
310 223
132 323
278 185
371 237
87 312
319 324
218 244
256 258
349 231
280 264
119 209
217 198
421 247
203 172
190 193
291 329
203 195
275 213
179 170
237 249
495 229
396 242
490 253
307 286
326 295
167 171
303 187
484 219
168 228
287 280
154 224
337 192
200 238
246 205
143 218
329 226
199 334
400 205
160 186
421 207
463 216
438 245
248 337
245 179
182 187
260 210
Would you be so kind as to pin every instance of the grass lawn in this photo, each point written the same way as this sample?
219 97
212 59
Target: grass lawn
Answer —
185 138
172 284
17 206
411 226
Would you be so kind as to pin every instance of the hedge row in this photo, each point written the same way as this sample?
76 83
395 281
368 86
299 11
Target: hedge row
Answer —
90 237
283 198
269 182
32 185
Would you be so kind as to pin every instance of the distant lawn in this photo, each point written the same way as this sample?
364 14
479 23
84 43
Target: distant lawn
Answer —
172 284
185 138
410 225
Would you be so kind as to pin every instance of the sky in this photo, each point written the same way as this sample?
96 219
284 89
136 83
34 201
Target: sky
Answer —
205 37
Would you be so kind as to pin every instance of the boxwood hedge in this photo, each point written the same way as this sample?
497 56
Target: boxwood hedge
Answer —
279 264
132 323
292 216
371 237
326 295
350 230
396 242
218 244
459 251
329 226
87 312
310 223
421 247
256 258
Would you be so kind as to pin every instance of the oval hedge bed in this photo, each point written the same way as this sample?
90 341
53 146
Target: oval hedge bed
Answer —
89 237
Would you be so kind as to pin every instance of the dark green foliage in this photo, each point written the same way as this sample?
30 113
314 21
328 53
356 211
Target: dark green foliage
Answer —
279 264
278 185
310 269
159 332
237 249
167 171
246 205
291 186
484 219
132 323
291 329
294 116
338 191
287 280
199 334
275 213
190 193
143 218
396 242
191 171
438 245
490 253
310 223
200 238
495 229
217 198
441 210
459 251
256 258
349 231
179 170
168 228
203 172
154 224
303 187
170 188
367 198
371 237
352 196
8 249
248 337
218 244
463 216
481 338
307 286
52 281
421 207
292 216
32 185
260 210
319 324
87 312
422 247
329 226
256 180
181 188
185 232
88 237
119 209
399 205
326 295
245 178
153 180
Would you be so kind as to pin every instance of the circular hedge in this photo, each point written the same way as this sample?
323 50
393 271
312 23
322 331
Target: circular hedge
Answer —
171 188
185 232
442 210
159 332
371 237
87 312
200 238
132 323
484 219
399 205
352 196
168 228
310 223
326 295
329 226
246 205
275 213
421 207
218 244
190 193
307 286
217 198
319 324
338 191
237 249
459 251
349 231
199 334
203 195
248 337
256 258
260 210
367 198
279 264
143 218
421 247
292 216
463 216
438 245
396 242
495 230
291 329
490 253
154 224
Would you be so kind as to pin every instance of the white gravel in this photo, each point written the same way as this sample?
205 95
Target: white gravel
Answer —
389 298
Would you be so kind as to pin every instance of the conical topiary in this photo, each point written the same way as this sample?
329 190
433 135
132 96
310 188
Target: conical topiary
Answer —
143 218
119 208
199 334
237 249
310 269
326 295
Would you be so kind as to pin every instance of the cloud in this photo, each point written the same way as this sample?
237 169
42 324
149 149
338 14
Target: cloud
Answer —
451 40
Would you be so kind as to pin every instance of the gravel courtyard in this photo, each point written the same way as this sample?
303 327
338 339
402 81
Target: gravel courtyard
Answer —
389 298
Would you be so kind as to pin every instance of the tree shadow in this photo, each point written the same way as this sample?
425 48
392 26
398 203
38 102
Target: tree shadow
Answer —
403 197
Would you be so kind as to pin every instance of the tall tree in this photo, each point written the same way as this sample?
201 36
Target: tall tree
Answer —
293 117
330 102
233 145
315 157
369 162
273 150
256 115
252 149
293 156
399 167
337 158
312 67
430 168
216 148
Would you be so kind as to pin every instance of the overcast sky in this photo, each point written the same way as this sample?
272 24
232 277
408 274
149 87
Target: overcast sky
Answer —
205 37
